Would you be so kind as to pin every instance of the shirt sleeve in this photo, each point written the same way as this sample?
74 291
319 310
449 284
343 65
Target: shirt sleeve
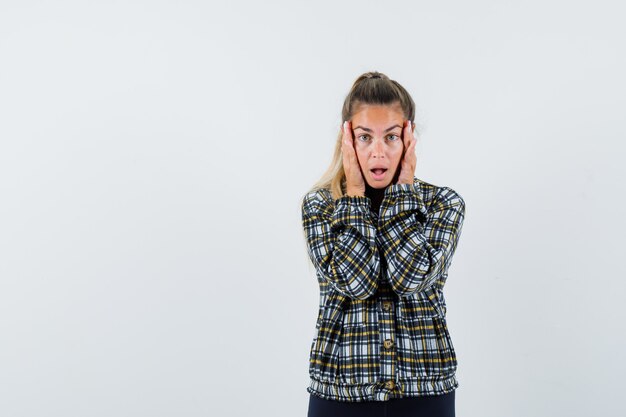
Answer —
418 244
341 243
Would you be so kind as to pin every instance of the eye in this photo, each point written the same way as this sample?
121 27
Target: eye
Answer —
363 136
395 137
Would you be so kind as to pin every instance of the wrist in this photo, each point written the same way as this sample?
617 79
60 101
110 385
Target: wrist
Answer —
355 193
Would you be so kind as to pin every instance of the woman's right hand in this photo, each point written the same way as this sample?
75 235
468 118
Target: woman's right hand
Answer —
355 185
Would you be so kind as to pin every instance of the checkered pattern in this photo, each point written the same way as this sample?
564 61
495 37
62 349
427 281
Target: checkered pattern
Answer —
381 331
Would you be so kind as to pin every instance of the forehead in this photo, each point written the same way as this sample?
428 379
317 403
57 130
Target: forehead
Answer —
377 114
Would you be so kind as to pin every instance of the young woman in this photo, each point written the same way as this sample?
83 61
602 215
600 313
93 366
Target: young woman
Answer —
381 241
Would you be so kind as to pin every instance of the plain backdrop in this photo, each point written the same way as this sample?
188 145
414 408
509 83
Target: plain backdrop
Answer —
153 157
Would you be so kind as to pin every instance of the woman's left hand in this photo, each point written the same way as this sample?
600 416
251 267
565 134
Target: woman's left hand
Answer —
407 170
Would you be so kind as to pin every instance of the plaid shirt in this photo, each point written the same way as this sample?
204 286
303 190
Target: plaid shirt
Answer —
381 331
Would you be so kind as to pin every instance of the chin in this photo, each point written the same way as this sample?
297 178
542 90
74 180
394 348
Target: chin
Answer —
378 184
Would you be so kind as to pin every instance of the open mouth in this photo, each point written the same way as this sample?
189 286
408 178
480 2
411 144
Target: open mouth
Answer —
378 173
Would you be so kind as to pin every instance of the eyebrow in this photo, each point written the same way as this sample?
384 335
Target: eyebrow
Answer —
369 130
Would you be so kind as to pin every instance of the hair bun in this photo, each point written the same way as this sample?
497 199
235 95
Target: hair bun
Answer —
376 74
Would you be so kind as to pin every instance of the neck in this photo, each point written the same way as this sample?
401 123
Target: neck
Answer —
376 195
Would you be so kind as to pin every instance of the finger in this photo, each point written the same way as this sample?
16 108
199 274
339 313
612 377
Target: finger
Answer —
350 142
405 142
344 148
349 155
345 140
411 150
412 139
347 134
410 156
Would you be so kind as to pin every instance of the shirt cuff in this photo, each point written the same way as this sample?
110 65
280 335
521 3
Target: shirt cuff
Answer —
403 197
354 211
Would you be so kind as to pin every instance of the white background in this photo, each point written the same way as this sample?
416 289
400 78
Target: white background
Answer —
153 156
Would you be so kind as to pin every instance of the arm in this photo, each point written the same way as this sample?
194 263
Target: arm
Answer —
341 243
418 245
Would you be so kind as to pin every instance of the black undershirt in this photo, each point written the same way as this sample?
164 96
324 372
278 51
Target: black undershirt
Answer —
376 195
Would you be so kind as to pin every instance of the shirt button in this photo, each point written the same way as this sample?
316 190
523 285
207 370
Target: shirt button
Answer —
388 343
387 305
390 384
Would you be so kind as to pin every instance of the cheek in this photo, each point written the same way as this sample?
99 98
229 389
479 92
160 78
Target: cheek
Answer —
360 154
359 146
397 153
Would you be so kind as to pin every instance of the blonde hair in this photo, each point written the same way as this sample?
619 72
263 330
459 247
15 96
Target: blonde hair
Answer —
369 88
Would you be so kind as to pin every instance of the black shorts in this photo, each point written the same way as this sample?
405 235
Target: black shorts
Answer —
426 406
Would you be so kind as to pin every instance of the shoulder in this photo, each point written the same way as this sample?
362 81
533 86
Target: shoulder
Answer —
320 197
438 196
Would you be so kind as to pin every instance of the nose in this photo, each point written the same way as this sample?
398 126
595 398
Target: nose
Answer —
379 149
